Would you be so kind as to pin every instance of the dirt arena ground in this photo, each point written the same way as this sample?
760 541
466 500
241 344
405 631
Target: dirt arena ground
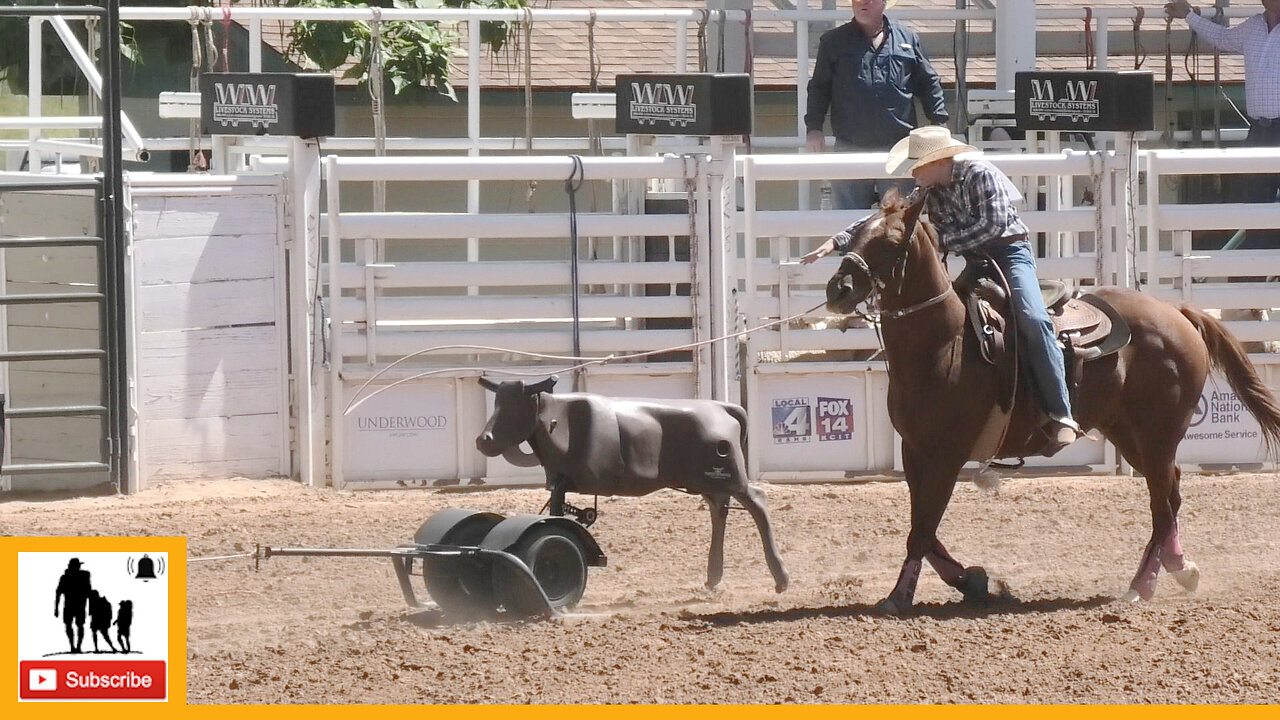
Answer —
337 630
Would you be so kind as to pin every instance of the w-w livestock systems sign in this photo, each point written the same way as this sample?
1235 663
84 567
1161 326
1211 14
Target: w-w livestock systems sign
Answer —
301 105
1089 101
684 104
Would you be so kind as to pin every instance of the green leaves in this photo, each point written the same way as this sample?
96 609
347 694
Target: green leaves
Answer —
414 54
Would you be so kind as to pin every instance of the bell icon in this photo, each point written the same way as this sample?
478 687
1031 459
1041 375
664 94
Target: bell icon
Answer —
146 569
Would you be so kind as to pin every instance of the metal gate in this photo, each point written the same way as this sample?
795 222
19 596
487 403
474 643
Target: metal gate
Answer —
61 339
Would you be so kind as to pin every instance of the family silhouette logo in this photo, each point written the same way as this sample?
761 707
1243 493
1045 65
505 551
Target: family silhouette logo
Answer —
93 625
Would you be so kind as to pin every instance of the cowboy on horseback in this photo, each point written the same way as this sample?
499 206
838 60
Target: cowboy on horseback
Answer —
972 205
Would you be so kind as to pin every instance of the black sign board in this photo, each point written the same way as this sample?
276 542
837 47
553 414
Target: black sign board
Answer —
267 104
684 104
1093 100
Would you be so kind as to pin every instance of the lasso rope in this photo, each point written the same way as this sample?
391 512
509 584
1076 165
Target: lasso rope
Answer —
582 362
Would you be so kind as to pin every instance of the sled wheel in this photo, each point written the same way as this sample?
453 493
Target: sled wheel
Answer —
462 588
556 560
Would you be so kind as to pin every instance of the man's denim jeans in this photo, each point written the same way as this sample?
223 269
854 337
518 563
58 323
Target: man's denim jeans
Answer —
1043 355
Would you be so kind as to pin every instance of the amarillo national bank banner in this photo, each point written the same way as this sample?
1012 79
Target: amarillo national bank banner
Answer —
1222 431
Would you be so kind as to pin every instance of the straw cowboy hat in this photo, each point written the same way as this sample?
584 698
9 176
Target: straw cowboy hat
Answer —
923 146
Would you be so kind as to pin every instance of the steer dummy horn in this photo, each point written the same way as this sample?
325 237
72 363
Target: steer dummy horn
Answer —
488 384
542 386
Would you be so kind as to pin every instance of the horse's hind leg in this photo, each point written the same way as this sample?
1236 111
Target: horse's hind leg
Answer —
719 506
1171 556
753 500
1164 548
970 581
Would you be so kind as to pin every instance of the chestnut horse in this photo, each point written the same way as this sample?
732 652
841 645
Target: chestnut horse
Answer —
941 392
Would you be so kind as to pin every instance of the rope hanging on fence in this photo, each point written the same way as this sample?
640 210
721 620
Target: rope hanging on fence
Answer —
1217 82
720 20
210 47
1139 53
695 288
527 26
91 45
704 16
226 38
594 143
196 161
1088 38
571 187
375 101
1191 63
1169 122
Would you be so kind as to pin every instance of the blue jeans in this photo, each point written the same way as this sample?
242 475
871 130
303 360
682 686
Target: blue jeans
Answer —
1043 356
859 194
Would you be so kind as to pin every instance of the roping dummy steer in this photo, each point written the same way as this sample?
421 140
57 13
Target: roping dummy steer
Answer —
593 445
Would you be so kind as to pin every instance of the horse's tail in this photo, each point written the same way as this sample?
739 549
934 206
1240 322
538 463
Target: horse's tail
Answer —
1228 356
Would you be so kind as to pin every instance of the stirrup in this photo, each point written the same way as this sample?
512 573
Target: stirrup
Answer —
1063 435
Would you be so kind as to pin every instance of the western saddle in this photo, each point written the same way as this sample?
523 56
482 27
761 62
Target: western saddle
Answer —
1086 326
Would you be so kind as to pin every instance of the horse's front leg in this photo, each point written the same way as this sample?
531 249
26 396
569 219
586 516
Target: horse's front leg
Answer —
930 481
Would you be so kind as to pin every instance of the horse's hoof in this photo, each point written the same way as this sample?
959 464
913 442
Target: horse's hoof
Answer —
1132 596
976 588
782 584
888 607
1188 577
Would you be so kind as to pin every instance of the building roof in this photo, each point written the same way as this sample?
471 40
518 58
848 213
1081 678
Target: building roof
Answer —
562 51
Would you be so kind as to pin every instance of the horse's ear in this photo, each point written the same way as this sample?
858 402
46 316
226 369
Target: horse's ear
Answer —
542 386
487 384
890 197
912 216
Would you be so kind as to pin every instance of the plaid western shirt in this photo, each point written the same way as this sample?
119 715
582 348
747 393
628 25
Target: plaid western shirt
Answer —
975 208
1261 50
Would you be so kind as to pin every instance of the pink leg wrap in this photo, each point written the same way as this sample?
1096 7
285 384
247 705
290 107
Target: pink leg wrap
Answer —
1171 554
1144 583
904 592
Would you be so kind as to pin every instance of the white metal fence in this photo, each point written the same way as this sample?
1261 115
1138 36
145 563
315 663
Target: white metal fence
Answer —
510 311
814 413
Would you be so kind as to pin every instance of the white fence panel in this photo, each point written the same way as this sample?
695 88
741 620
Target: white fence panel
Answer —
508 302
209 334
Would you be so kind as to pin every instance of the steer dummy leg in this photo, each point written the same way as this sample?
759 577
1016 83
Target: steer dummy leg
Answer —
719 506
753 500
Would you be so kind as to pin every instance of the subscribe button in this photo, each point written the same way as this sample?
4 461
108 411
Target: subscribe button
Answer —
92 680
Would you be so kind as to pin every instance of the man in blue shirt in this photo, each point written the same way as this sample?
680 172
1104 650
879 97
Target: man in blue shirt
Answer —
869 72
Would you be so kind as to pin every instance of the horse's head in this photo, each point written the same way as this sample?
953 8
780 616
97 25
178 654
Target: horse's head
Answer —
876 253
515 417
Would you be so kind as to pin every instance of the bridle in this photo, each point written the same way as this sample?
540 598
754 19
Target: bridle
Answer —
897 269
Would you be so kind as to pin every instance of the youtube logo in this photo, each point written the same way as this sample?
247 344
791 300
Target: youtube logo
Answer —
42 679
94 680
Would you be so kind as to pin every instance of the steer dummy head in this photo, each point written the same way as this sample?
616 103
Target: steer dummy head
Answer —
515 416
